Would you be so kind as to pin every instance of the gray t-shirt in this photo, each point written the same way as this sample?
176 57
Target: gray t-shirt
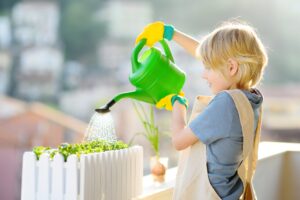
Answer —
218 126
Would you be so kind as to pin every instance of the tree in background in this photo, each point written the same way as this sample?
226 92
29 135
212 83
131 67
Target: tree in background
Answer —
6 5
80 30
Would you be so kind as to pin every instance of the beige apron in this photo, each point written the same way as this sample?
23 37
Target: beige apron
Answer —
192 181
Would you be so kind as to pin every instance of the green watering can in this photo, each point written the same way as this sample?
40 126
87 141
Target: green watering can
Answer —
153 74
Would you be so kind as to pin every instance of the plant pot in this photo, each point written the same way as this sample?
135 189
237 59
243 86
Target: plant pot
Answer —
116 174
158 166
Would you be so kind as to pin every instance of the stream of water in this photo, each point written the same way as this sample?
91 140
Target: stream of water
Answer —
101 126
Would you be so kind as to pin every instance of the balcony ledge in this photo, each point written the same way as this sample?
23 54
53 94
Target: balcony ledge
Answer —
155 191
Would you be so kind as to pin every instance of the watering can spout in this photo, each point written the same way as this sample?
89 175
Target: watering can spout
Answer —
138 95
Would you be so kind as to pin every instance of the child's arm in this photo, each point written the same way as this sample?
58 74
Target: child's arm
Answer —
156 31
182 135
187 42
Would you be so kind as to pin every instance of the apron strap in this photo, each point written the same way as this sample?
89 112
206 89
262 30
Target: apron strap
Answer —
249 193
246 115
254 154
250 140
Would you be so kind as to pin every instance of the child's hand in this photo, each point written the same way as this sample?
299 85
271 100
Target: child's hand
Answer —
155 32
168 101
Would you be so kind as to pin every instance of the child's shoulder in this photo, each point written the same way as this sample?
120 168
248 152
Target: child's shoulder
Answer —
225 95
223 99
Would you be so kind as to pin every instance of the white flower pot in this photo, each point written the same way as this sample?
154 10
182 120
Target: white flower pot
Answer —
108 175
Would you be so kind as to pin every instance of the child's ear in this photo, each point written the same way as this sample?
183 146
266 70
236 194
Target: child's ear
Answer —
232 66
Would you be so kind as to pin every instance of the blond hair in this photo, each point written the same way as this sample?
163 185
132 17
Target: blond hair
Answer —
239 42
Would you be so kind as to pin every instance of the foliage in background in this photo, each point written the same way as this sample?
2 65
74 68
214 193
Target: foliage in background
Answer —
66 149
80 29
6 5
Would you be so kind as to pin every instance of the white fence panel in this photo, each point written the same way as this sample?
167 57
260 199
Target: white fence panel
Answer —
140 170
28 177
72 178
83 178
57 187
129 175
43 184
93 177
97 175
114 178
105 176
124 175
118 174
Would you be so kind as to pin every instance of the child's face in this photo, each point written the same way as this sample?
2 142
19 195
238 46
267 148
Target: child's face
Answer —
216 81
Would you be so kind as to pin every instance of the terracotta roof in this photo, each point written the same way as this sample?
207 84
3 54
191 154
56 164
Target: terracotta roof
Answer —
11 107
58 117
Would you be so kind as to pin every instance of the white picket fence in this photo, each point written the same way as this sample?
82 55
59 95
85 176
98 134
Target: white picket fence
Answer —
111 175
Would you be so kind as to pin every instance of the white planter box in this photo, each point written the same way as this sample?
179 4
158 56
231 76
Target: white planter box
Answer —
111 175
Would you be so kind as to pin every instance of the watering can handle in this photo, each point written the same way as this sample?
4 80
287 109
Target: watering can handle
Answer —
166 49
138 48
136 51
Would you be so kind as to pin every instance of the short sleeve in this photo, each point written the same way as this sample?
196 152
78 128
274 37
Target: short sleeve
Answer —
215 120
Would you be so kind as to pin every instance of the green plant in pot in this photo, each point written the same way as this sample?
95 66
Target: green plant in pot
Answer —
152 134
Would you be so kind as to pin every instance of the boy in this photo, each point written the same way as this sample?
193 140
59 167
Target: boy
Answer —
219 145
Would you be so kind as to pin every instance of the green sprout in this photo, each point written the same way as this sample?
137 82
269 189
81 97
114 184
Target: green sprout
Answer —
66 149
151 132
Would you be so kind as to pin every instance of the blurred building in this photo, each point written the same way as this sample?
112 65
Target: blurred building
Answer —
39 59
122 31
126 18
281 117
39 73
36 22
82 102
23 126
73 75
5 32
5 70
5 54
